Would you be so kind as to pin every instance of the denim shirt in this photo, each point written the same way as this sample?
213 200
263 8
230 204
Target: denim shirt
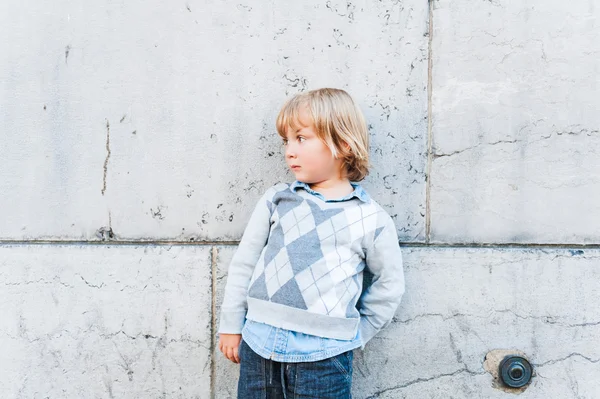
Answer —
283 345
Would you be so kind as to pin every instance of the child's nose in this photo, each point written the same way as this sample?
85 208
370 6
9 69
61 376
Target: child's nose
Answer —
290 152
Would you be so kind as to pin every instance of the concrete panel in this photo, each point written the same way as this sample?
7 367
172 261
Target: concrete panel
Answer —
155 120
516 129
105 321
462 303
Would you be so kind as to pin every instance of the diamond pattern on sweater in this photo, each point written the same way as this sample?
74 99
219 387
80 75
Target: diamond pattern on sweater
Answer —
274 245
304 251
278 272
258 289
297 222
296 272
322 215
290 295
286 200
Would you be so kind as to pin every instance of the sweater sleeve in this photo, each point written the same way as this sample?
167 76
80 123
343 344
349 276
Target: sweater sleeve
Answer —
381 299
235 305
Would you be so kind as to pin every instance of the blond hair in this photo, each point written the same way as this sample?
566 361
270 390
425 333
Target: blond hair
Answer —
338 122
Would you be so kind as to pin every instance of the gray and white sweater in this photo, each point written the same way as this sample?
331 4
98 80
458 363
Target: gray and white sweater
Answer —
300 266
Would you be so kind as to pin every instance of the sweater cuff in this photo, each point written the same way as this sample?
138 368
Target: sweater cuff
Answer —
232 322
367 331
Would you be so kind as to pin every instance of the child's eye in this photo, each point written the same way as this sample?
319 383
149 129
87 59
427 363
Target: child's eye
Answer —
301 139
284 141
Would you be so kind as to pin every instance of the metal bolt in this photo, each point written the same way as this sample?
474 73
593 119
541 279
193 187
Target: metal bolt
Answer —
515 371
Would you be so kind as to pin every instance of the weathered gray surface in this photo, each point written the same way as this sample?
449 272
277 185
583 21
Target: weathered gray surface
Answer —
153 121
527 300
185 96
105 321
516 128
462 303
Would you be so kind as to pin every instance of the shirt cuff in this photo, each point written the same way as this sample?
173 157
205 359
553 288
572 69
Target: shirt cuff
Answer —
232 322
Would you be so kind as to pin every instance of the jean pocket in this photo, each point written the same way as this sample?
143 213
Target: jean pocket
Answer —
343 362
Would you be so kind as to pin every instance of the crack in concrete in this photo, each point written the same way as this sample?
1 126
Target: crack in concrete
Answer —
568 132
544 319
548 319
595 323
40 281
587 132
107 157
458 353
444 317
163 341
21 336
126 366
75 335
420 380
438 155
27 282
562 359
90 285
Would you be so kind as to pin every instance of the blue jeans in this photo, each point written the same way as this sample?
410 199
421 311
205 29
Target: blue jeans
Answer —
261 378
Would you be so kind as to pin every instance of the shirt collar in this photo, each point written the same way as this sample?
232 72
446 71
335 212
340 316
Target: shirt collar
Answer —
358 192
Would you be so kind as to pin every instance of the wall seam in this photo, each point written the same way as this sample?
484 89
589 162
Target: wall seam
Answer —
429 134
118 242
405 244
213 320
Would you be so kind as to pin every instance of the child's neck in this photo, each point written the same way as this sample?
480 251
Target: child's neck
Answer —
333 189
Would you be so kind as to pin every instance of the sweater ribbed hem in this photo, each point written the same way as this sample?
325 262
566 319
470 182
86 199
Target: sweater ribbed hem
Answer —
313 357
299 320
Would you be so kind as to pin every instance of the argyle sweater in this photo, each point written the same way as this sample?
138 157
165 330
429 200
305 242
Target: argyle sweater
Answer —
300 266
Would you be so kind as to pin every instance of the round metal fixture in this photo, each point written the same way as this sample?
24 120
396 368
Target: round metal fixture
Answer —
515 371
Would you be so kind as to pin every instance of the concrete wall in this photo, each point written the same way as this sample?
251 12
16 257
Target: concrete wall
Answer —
137 137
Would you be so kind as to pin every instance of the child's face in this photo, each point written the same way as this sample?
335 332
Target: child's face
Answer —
307 156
